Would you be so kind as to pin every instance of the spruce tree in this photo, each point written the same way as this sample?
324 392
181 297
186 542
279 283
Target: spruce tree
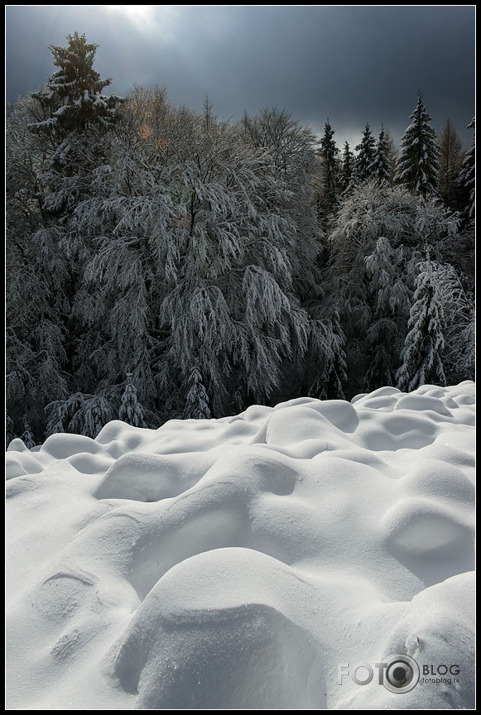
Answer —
329 189
347 169
65 147
27 436
467 180
380 167
422 355
130 408
418 164
197 400
450 163
366 155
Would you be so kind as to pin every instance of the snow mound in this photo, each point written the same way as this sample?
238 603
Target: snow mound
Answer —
235 563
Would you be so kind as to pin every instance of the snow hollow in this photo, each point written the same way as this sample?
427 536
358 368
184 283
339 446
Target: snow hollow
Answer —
251 561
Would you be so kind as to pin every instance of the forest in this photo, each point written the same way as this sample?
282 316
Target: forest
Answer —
163 263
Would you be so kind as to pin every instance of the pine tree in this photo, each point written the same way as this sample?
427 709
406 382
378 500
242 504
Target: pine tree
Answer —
197 400
366 155
418 163
329 354
392 155
422 355
467 180
72 99
347 169
9 430
329 175
27 436
390 297
380 167
450 163
130 408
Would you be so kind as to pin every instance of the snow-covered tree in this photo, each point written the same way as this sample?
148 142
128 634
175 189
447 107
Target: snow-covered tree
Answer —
329 180
200 250
458 324
130 408
406 223
197 400
35 347
377 210
390 295
347 169
380 168
9 430
290 147
72 99
27 436
329 358
467 180
366 155
80 414
56 141
422 354
418 163
450 163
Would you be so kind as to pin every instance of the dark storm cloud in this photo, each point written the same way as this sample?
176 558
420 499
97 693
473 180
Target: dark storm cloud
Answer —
351 64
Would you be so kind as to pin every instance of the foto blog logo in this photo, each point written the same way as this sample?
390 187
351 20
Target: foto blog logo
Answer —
399 673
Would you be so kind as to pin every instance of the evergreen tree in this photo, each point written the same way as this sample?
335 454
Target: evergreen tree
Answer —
197 400
392 155
347 169
418 163
380 167
130 408
27 436
467 180
422 355
390 296
365 288
35 344
329 358
366 155
450 163
9 430
72 99
80 414
329 175
66 145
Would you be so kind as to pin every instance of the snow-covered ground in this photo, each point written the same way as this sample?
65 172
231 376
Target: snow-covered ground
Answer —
253 561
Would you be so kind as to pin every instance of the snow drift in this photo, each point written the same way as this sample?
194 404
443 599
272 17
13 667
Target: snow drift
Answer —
235 563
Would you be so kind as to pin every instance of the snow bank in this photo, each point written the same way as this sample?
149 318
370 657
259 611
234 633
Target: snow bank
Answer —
240 562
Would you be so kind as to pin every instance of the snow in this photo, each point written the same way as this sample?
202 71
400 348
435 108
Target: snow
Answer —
235 563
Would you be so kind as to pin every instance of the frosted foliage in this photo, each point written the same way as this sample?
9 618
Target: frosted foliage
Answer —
328 343
27 436
424 344
81 414
380 167
366 156
376 211
197 402
130 409
387 282
418 163
467 177
198 266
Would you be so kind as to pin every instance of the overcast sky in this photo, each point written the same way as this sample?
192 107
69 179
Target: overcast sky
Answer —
348 64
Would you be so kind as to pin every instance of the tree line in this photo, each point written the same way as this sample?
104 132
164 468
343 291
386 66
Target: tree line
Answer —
162 263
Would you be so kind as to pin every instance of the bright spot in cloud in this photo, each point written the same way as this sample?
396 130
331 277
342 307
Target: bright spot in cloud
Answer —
144 17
